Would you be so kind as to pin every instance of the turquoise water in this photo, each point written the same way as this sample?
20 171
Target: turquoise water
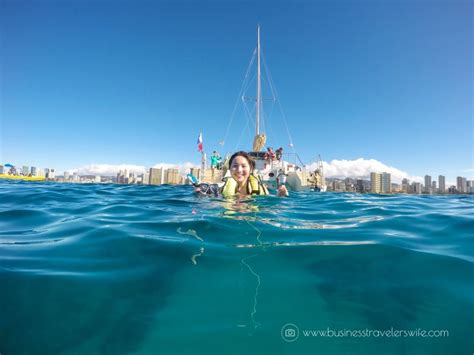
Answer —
122 269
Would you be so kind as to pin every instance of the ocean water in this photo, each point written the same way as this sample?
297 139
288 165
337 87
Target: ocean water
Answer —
122 269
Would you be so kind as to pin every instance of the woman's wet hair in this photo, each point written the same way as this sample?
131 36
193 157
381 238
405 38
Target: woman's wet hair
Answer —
245 155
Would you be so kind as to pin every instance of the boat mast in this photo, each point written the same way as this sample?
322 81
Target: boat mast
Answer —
259 90
260 138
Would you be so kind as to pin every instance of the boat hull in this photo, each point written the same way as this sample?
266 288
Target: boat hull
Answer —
22 178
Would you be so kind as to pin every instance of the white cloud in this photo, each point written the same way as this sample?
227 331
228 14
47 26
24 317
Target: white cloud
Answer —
358 168
361 168
107 169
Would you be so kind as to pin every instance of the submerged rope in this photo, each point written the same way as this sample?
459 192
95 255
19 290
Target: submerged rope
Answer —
194 234
190 232
255 297
254 323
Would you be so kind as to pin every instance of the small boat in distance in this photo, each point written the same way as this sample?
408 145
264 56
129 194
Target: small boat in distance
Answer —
22 178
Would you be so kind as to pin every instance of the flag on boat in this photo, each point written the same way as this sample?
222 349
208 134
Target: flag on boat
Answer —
199 142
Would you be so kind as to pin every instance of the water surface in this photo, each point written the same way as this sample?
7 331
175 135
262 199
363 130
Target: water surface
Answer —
123 269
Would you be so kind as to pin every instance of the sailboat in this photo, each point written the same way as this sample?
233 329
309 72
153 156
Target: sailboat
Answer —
274 169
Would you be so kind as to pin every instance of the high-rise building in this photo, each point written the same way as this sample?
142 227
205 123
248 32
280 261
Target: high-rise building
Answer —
336 185
405 186
385 183
156 176
470 186
120 177
375 183
25 171
461 184
433 187
33 171
396 188
340 185
349 185
441 184
362 185
427 184
124 177
172 177
52 174
380 183
145 178
416 187
66 176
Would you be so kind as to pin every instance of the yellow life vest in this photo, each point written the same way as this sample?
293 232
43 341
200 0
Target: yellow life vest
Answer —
255 186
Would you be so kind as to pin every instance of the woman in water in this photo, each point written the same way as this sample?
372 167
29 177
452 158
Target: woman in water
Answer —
242 182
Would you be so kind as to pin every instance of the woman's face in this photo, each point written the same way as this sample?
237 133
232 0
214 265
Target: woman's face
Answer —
240 169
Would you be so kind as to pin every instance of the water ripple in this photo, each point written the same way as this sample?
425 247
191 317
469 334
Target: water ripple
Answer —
51 216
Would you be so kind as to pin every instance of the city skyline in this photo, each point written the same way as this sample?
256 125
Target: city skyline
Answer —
382 179
379 183
370 86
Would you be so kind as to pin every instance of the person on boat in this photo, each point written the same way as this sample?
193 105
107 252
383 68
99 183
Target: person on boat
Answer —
279 153
215 160
242 181
269 156
281 183
315 180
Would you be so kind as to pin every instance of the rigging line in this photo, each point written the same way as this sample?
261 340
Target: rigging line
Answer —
267 70
273 99
272 132
250 114
267 121
264 116
249 82
251 120
240 94
245 127
267 118
272 84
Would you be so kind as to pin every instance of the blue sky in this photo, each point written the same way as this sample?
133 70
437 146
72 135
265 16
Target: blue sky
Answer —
133 82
